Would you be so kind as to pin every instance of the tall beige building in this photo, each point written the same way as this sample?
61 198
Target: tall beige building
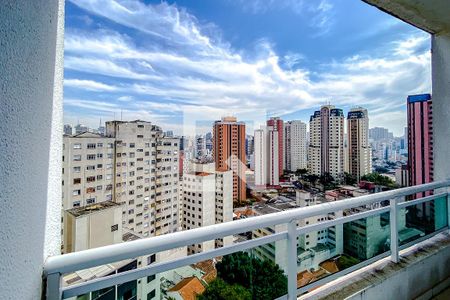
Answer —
88 169
134 165
146 177
295 145
359 151
326 142
207 200
119 187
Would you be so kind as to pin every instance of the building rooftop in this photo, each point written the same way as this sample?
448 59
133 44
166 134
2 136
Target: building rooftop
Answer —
202 174
85 210
86 134
274 205
189 288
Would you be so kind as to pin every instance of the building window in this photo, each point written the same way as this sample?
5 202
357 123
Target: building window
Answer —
115 227
90 157
77 157
90 168
76 146
151 259
99 145
76 192
151 295
90 200
76 180
76 169
91 146
151 278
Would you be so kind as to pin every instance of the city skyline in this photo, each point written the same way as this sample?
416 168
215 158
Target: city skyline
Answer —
164 75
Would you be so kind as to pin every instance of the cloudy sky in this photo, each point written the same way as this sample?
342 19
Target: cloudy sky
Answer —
183 64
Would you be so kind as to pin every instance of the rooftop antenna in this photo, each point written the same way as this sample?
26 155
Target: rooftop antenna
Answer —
100 125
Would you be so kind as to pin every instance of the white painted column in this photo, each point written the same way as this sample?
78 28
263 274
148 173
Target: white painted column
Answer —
440 60
31 74
440 65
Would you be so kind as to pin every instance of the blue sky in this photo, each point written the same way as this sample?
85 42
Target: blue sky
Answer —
183 64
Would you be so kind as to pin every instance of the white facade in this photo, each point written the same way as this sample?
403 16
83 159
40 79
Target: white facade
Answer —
92 226
260 157
207 200
295 145
312 248
266 156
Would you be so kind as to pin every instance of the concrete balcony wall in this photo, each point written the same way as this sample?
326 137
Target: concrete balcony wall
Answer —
31 77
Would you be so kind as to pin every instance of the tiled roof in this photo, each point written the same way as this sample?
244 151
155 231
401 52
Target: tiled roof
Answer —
189 288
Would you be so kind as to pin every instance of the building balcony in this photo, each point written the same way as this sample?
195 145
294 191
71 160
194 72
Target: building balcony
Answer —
397 251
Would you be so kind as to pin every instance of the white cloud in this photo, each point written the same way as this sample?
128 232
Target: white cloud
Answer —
199 75
89 85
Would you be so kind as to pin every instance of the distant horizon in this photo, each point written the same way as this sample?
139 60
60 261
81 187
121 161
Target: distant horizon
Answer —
204 127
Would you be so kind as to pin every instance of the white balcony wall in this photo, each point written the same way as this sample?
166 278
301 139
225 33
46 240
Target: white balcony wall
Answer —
440 65
31 75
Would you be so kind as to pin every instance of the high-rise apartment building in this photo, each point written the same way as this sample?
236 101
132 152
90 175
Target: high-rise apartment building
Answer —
229 152
326 142
260 157
420 160
200 146
359 151
249 145
146 176
134 165
207 200
380 133
68 129
295 145
275 124
79 128
266 156
88 170
273 154
420 139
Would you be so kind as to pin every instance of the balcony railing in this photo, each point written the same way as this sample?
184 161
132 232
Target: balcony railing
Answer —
57 266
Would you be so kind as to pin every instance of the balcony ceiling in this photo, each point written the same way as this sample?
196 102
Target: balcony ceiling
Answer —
432 16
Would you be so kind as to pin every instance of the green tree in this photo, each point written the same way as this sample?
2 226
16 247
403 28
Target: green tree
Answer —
349 179
312 179
264 279
220 290
301 172
380 180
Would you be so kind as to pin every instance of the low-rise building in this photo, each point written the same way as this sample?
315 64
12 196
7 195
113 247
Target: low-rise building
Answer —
312 248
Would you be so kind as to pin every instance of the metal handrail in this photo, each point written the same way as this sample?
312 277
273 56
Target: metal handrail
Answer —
58 265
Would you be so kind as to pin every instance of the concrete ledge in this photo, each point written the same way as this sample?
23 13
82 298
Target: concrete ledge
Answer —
423 272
